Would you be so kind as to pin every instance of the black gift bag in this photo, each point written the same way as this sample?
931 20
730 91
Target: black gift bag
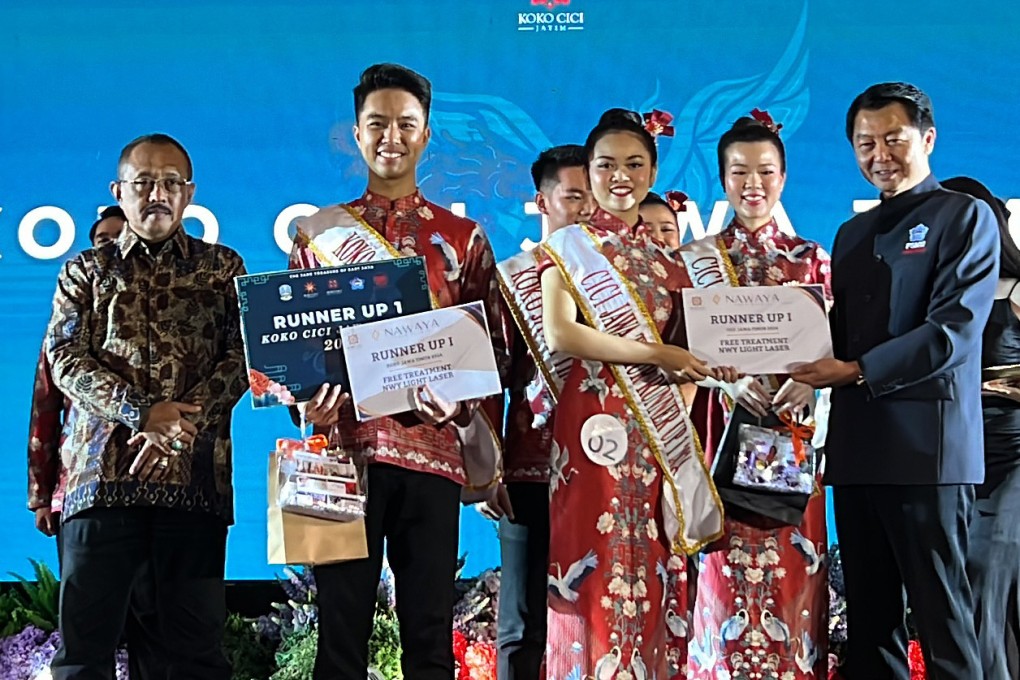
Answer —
758 507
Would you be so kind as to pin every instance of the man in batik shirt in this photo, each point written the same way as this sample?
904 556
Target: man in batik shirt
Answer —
417 462
50 413
564 198
145 340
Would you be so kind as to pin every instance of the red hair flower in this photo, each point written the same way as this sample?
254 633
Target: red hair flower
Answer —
765 119
677 200
658 123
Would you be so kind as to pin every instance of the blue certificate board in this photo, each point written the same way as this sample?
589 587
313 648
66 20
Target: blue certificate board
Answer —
291 321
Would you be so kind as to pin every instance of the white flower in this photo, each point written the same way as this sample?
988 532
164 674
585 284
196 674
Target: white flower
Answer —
756 638
788 675
605 523
779 572
641 571
616 586
629 610
745 559
735 556
754 575
768 558
637 254
618 569
646 606
620 262
675 562
625 589
726 571
659 270
640 589
606 602
649 476
425 212
623 674
653 530
660 314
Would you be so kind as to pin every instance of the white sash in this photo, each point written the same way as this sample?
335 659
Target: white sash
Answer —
708 264
692 513
338 235
521 285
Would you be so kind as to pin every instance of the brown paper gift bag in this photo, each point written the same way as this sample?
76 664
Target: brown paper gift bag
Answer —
300 539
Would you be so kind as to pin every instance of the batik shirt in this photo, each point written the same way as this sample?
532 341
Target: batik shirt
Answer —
461 269
132 326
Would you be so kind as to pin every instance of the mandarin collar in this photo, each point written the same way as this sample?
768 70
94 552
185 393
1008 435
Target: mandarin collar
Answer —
408 203
604 220
766 233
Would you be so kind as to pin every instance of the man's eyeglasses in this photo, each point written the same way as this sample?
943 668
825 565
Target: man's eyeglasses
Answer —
143 186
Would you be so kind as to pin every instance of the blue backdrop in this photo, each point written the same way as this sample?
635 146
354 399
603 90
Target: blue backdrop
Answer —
260 93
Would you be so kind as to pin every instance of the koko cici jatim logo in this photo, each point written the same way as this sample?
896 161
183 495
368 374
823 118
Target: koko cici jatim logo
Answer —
549 16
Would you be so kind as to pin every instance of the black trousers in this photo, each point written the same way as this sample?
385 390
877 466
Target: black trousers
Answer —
174 557
993 564
524 549
900 544
418 515
142 608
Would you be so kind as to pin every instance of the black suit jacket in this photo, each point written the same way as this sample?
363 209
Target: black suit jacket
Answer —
913 282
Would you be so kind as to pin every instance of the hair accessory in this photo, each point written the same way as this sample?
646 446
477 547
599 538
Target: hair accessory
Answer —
658 123
765 119
677 200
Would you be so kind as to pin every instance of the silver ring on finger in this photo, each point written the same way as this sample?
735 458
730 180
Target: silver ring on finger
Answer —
162 462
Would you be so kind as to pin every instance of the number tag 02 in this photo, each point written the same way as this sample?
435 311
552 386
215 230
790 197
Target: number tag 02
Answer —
604 440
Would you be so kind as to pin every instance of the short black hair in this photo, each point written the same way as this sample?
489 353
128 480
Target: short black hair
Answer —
655 199
1009 253
545 170
748 129
155 138
392 76
915 101
621 120
107 213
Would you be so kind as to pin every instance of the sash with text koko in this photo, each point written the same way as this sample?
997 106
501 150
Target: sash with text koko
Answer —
338 235
692 514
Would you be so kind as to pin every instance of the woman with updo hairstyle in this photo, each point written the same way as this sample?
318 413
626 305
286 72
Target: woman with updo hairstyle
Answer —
762 595
622 442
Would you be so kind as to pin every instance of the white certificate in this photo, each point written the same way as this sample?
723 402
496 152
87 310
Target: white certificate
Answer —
758 330
449 350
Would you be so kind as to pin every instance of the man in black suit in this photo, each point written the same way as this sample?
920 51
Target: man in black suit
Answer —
913 281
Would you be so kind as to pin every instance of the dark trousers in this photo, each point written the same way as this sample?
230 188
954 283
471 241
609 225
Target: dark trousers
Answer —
993 564
524 549
170 562
900 544
418 514
143 608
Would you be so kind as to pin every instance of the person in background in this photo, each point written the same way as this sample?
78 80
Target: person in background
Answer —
659 215
564 198
145 340
993 560
913 283
50 416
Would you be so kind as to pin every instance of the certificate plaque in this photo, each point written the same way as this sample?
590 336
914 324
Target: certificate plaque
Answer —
291 321
448 350
759 329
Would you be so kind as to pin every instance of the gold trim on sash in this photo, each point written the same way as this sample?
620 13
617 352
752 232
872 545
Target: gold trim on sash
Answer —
520 317
678 543
495 440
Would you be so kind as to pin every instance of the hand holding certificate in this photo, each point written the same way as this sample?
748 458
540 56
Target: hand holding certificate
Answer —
448 350
758 330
